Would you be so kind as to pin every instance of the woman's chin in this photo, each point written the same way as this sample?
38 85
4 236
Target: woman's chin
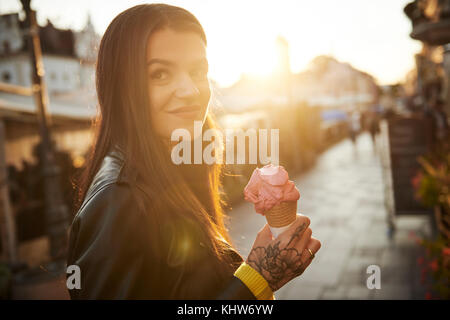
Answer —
194 134
194 127
186 132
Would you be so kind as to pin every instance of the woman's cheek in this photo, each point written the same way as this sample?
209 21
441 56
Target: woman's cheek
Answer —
159 116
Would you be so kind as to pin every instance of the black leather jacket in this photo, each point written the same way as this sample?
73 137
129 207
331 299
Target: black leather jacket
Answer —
109 242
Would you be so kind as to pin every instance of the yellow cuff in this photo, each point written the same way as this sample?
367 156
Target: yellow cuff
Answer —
255 282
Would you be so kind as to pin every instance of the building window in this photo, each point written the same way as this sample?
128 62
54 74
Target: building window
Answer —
6 76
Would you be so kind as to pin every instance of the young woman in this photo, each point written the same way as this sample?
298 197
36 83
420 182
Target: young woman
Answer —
146 228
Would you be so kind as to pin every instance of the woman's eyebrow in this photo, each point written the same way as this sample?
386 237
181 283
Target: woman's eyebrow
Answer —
169 63
162 61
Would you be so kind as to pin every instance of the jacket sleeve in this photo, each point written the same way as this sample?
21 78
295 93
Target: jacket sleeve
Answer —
236 290
109 243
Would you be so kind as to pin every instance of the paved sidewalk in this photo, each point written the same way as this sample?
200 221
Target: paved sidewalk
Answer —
343 196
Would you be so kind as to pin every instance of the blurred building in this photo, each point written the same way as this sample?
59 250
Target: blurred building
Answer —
431 25
419 125
331 83
282 74
326 83
69 57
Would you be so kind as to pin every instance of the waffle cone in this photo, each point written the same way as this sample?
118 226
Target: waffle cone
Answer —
282 214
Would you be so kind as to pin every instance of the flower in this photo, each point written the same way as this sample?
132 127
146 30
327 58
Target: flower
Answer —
434 265
437 262
446 251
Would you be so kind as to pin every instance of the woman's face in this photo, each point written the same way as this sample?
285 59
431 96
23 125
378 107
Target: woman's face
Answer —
178 85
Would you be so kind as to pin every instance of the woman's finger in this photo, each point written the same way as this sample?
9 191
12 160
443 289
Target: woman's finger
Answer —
294 233
264 235
304 240
313 245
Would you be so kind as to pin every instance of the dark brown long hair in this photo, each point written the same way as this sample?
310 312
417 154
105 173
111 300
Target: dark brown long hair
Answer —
188 193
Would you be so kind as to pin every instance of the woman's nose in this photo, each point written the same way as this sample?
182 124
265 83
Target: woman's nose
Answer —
186 87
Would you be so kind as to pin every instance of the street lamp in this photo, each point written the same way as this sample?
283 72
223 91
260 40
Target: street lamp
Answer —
56 213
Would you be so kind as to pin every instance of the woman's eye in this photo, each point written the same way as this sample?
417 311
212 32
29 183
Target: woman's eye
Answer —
159 75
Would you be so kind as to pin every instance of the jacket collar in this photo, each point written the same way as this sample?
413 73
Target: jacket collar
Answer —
112 170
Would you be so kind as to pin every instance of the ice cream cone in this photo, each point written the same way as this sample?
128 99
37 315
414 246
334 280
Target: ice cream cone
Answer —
282 215
274 196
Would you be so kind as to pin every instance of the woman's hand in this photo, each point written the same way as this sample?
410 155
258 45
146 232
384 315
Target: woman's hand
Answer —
282 259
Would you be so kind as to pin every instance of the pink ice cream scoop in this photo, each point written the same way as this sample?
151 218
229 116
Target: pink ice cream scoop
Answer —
268 187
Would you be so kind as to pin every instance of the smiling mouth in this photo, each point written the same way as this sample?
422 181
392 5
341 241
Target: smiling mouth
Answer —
186 112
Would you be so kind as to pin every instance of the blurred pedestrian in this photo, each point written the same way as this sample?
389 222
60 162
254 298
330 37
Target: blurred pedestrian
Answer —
354 125
374 127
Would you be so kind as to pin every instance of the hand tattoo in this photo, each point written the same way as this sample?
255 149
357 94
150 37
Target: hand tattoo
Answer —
278 265
297 233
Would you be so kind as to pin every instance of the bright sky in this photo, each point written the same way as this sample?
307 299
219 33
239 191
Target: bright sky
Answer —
373 36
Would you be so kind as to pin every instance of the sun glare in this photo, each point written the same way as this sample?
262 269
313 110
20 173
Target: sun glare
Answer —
260 60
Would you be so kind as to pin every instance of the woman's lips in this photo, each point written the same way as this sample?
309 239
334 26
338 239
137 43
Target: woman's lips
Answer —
187 112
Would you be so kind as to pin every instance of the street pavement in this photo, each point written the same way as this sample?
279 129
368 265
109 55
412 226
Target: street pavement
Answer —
344 197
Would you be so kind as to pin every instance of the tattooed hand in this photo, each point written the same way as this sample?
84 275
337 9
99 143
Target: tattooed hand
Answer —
282 259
